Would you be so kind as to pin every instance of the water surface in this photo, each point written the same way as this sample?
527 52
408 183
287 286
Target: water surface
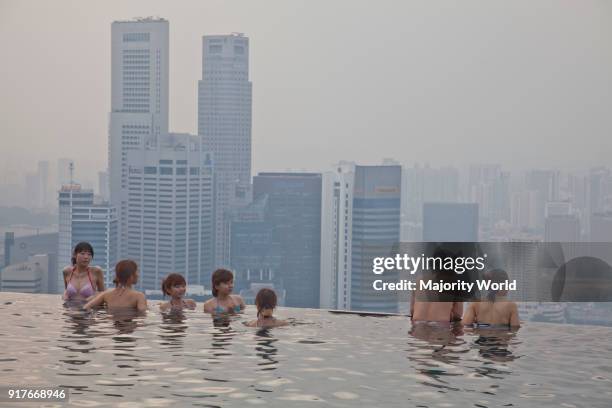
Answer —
321 360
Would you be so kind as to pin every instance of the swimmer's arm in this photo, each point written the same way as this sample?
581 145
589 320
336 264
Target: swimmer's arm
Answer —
208 306
142 302
95 302
456 311
470 314
240 301
66 272
514 316
164 306
191 304
99 274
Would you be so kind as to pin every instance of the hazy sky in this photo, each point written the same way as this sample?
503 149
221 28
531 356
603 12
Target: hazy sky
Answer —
522 83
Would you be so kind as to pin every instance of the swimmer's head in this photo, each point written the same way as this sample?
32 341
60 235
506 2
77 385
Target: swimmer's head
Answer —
174 285
126 273
265 302
82 253
222 281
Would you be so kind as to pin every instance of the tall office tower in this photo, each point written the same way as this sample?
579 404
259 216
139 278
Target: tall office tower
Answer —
224 122
336 237
375 232
169 211
139 100
294 200
450 222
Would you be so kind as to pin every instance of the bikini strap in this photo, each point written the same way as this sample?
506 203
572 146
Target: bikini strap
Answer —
70 276
90 281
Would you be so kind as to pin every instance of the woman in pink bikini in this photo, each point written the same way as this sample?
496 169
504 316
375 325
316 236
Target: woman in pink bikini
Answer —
82 281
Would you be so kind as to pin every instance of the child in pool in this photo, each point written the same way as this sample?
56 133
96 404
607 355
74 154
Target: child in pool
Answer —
223 301
266 302
174 286
122 297
495 310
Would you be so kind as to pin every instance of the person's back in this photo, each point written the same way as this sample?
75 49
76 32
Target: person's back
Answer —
496 310
123 297
436 311
498 313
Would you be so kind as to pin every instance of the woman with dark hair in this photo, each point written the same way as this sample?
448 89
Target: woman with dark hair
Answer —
81 281
122 296
174 285
266 302
223 301
496 310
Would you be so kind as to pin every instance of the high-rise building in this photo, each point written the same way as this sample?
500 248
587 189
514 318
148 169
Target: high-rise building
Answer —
375 232
139 100
294 201
336 237
224 123
82 220
450 222
160 182
169 211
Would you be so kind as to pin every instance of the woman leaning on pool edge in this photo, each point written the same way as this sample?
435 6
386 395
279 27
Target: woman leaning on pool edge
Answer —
81 281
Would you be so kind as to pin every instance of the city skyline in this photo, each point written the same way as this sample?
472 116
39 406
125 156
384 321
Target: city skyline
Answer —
311 120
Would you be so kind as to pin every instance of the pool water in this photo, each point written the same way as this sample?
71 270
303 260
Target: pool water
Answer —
321 359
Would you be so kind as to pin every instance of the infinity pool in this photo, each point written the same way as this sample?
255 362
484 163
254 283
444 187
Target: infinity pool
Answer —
321 359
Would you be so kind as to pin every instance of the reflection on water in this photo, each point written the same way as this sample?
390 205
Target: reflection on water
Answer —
186 358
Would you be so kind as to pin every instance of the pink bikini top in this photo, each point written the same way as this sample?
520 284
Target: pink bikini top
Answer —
86 291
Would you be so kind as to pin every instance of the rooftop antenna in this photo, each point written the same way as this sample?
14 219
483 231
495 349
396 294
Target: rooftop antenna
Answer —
71 169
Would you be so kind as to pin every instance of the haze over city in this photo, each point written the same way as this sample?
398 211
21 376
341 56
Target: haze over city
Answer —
523 84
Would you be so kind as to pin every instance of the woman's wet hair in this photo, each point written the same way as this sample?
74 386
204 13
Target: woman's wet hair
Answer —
81 247
171 280
265 299
496 276
124 270
220 276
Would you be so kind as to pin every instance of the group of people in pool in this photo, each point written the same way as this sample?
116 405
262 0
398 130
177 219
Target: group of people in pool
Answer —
86 283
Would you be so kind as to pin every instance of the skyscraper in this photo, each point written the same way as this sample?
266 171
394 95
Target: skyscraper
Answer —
224 122
294 201
375 232
336 237
160 182
139 100
169 211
